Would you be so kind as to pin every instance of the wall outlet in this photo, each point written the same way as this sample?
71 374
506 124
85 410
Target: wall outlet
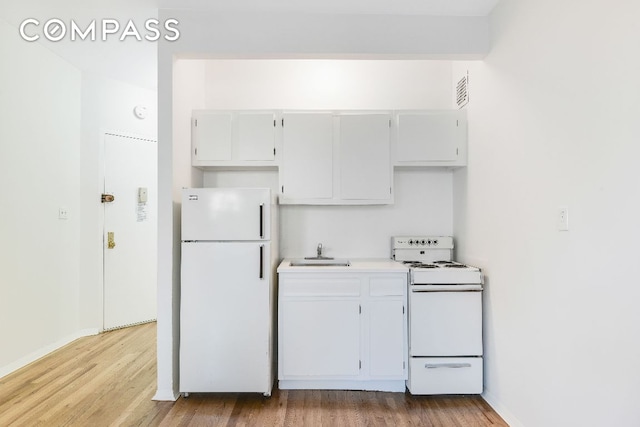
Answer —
563 218
63 213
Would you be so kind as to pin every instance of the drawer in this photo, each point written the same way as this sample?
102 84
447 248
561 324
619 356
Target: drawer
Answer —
387 286
445 375
321 288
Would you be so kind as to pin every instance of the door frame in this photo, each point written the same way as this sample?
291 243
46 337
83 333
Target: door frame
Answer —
101 217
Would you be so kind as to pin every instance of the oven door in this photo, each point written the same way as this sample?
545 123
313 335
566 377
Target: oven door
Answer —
445 323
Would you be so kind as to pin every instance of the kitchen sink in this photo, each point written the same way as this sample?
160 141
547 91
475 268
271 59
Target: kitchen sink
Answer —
320 262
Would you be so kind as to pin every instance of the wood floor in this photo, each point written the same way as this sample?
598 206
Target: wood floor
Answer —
109 380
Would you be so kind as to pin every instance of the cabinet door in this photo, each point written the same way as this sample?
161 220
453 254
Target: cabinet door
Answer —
365 167
307 163
387 338
319 338
429 136
211 133
256 136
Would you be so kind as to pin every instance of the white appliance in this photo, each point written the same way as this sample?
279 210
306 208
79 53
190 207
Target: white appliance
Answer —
228 290
445 317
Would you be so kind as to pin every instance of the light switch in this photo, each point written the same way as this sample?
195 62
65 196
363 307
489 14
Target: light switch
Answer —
563 218
142 194
63 213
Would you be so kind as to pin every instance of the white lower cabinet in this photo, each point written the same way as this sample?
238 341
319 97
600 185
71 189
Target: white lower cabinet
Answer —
330 347
342 331
386 338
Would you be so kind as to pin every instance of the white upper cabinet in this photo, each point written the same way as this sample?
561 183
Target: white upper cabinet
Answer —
211 136
365 166
307 160
233 138
336 158
330 157
431 138
256 138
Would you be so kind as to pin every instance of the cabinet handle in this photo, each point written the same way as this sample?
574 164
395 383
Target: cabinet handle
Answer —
261 262
261 220
447 365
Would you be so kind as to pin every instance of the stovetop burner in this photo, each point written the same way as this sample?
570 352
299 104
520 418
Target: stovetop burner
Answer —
419 264
434 264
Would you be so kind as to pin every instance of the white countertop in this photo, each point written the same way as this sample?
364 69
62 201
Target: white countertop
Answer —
357 265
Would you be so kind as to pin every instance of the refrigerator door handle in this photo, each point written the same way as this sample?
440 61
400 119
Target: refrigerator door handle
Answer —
261 220
261 262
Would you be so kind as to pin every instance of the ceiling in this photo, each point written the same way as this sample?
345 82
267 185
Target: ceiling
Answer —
386 7
136 63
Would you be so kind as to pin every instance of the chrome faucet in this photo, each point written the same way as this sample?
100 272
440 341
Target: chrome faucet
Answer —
319 255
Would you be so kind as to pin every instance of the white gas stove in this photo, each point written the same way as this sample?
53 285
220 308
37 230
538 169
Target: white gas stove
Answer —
445 317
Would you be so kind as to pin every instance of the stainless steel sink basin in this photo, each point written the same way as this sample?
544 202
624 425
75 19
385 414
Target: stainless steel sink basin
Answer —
320 262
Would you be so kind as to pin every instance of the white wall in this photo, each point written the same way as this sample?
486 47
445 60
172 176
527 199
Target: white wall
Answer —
553 121
189 93
423 205
130 61
107 106
277 34
327 84
40 116
53 119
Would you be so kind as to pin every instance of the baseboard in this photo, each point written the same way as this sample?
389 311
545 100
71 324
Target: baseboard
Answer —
165 396
88 332
32 357
501 410
397 386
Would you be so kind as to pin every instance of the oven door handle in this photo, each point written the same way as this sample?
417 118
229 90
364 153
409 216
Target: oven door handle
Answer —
447 365
471 287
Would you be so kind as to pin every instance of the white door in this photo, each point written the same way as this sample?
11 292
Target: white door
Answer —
225 317
130 231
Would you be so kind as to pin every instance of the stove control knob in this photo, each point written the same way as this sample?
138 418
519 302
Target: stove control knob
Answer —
435 242
410 241
423 242
428 242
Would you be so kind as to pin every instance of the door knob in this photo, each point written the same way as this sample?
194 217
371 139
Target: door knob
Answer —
111 242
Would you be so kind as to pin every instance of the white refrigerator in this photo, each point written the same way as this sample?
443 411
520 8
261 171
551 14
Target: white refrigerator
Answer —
228 290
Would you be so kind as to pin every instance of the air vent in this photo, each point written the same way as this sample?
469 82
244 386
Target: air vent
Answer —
462 91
